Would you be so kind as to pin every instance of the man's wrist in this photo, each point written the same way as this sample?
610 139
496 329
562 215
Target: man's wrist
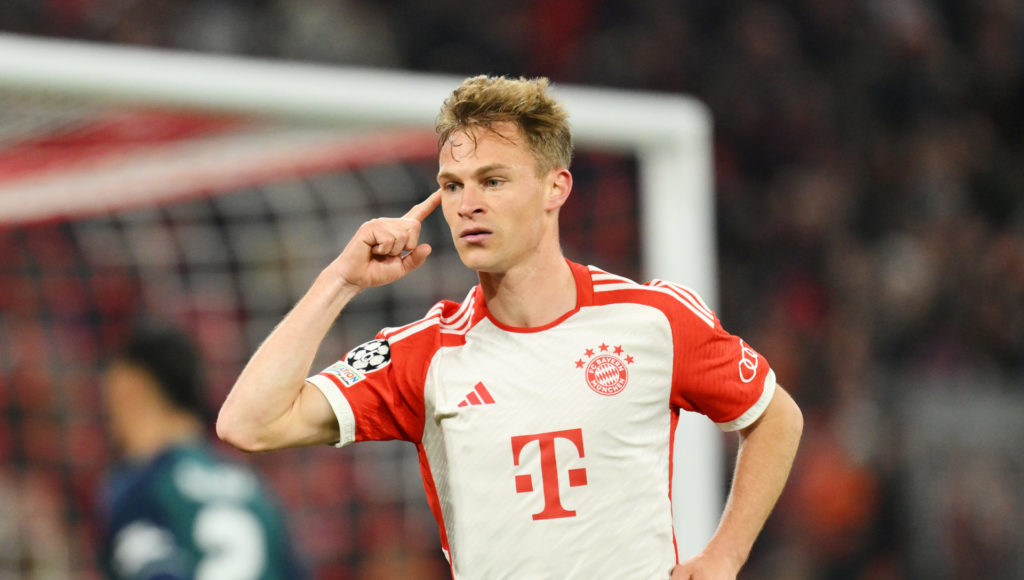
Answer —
732 557
335 286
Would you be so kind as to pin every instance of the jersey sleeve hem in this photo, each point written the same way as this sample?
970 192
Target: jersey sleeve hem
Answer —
340 406
755 410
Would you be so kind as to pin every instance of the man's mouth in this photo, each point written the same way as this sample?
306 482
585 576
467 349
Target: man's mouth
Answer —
474 235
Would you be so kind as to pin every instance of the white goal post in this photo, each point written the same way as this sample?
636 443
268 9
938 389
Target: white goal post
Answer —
669 135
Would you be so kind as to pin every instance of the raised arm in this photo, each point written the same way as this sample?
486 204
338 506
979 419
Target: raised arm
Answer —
270 405
767 450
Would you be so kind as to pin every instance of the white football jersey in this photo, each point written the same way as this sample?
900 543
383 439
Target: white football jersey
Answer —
546 452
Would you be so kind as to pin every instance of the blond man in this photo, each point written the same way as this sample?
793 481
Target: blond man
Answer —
543 405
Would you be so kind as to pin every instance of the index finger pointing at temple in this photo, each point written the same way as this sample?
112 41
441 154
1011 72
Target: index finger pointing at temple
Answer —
421 210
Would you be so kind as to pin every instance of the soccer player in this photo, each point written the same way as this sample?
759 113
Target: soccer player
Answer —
543 405
176 509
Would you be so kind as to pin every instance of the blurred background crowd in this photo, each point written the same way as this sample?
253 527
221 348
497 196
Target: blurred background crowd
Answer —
869 169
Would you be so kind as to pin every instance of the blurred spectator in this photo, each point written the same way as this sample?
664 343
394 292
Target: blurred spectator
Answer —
174 507
34 543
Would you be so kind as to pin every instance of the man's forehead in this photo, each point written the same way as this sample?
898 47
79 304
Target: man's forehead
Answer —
500 142
471 137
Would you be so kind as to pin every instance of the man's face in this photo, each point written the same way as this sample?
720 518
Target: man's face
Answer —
118 384
495 203
124 386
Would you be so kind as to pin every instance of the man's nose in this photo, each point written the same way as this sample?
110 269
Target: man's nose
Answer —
471 201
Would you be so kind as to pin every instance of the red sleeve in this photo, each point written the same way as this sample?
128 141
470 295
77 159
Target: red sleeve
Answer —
715 373
382 381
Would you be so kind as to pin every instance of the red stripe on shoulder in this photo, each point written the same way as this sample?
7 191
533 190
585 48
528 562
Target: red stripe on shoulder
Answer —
687 296
393 334
446 317
609 288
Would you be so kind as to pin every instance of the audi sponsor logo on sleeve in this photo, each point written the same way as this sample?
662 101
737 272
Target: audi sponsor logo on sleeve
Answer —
748 362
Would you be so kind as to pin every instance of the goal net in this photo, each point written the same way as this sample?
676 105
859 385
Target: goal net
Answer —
210 191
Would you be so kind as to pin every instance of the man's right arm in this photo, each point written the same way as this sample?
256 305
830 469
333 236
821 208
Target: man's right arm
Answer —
271 405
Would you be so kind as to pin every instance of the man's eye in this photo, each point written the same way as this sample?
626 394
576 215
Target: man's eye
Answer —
451 187
494 182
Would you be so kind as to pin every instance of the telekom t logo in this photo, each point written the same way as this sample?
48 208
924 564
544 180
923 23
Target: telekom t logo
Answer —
549 470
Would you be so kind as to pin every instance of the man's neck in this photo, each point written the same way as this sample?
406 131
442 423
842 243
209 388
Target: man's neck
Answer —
159 432
532 294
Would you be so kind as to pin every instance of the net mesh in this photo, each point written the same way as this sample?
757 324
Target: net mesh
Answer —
96 232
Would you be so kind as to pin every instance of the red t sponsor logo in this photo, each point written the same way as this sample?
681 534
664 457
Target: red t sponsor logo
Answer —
549 470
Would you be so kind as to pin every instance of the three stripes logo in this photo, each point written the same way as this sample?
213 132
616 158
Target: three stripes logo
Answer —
478 396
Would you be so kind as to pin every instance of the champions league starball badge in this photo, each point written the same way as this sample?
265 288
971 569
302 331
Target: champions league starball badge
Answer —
370 356
605 368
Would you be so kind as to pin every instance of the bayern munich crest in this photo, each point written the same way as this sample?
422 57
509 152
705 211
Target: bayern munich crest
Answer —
605 368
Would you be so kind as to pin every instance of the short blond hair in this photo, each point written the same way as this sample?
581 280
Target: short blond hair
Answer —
482 101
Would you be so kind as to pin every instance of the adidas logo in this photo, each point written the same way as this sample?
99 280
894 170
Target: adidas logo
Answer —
478 396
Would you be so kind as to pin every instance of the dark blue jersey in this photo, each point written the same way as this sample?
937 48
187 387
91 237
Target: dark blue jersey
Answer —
189 513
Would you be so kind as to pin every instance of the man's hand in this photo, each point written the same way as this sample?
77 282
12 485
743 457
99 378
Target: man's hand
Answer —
384 250
702 567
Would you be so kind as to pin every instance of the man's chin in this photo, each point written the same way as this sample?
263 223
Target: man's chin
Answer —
480 267
475 259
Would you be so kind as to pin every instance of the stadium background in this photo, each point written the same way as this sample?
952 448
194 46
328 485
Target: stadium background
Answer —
870 196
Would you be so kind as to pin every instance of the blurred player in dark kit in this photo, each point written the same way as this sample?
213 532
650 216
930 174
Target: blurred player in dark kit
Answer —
175 507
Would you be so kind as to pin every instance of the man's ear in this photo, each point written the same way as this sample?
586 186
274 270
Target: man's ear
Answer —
559 187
